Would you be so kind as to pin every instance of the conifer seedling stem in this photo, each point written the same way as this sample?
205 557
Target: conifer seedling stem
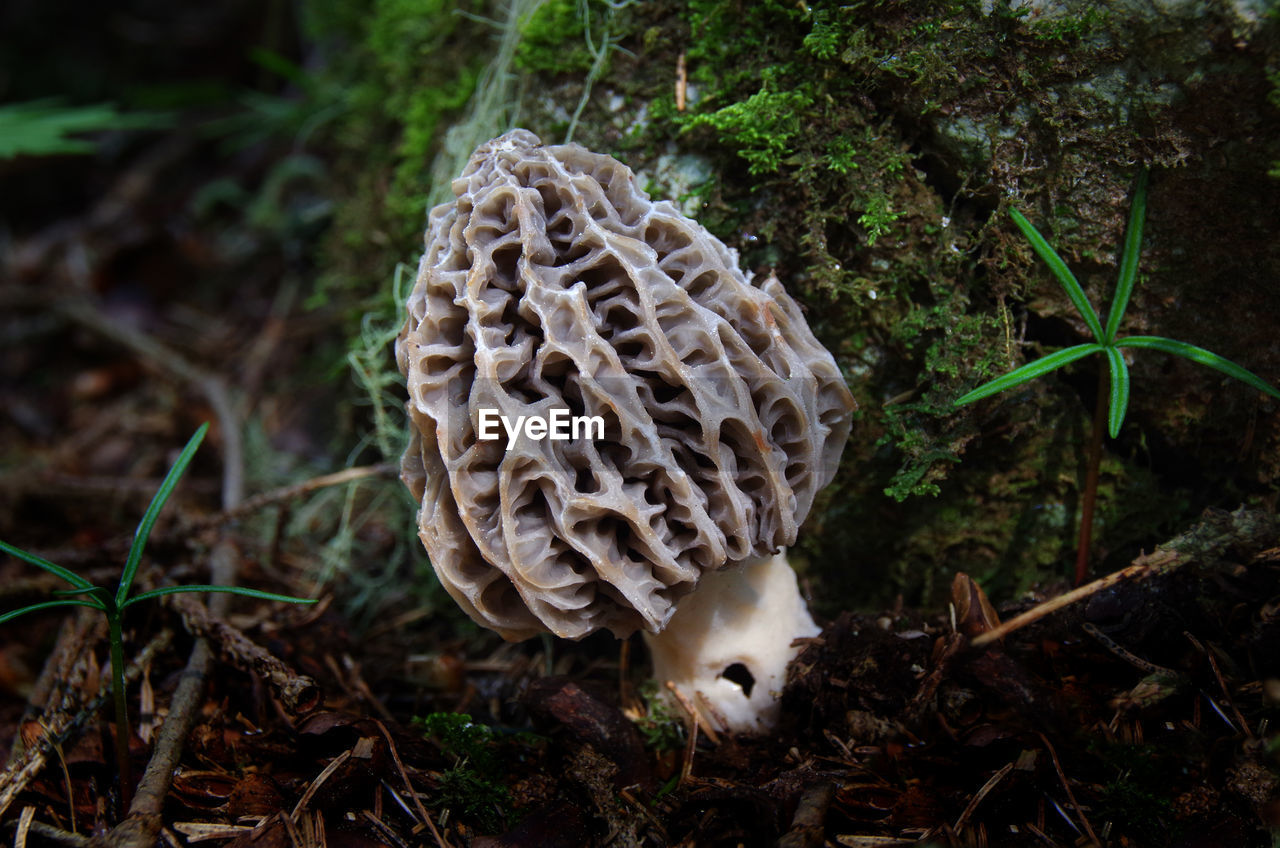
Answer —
1092 472
1113 379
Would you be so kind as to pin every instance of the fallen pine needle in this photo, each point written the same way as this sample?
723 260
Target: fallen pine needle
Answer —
202 831
695 715
982 793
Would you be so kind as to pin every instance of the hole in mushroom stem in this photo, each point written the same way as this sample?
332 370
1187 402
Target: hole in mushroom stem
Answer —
741 675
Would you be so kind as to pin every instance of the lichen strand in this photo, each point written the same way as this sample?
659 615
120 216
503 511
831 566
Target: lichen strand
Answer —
552 282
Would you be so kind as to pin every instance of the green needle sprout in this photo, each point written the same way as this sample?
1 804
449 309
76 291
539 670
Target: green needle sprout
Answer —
1108 343
113 604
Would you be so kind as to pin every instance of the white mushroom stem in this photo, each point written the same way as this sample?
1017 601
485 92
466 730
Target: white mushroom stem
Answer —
741 618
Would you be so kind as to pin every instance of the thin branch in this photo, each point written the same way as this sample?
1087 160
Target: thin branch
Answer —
52 834
294 491
297 692
1142 566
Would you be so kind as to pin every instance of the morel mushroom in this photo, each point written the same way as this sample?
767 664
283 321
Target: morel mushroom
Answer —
553 291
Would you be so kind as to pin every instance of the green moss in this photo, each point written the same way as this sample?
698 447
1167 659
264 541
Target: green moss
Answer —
415 90
732 41
877 217
1128 797
816 125
954 344
761 128
1067 28
660 727
551 39
473 786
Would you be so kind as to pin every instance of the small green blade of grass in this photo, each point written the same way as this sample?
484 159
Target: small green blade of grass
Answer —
1129 258
1201 356
1119 400
43 605
50 127
1061 271
1030 371
53 568
153 511
226 590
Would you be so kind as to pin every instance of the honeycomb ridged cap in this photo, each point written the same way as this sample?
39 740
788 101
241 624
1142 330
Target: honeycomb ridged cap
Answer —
552 282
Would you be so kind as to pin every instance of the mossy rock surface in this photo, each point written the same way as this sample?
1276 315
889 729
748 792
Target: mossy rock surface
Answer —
869 153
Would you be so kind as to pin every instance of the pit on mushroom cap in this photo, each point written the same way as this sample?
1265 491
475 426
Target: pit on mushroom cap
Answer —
553 282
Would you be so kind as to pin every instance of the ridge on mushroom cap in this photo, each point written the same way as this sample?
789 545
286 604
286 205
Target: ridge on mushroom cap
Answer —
551 281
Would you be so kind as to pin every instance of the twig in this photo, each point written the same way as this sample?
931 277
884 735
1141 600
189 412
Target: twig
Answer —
69 649
808 824
682 82
1141 567
1222 684
1125 654
26 825
383 828
44 584
323 776
297 692
296 490
143 825
643 809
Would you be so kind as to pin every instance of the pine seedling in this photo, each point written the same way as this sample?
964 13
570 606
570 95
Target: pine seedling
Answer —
112 604
1113 382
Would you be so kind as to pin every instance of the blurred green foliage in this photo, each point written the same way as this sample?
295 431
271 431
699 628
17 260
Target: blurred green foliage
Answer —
51 127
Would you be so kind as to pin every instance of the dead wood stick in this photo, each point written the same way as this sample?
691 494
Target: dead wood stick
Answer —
51 834
808 828
1141 567
75 633
43 585
297 692
695 715
142 826
297 490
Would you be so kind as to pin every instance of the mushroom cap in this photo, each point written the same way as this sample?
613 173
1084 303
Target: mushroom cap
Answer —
552 282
